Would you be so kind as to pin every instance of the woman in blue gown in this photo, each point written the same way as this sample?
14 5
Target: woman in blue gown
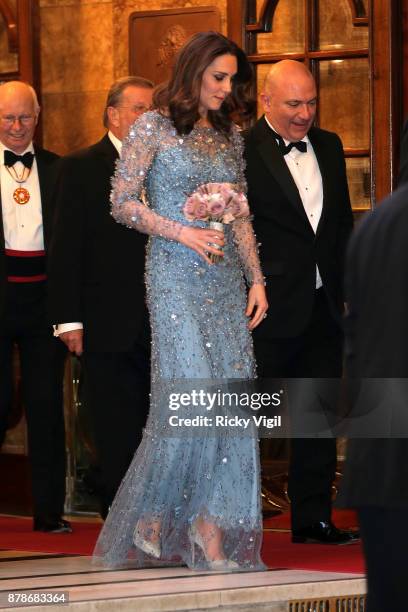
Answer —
191 495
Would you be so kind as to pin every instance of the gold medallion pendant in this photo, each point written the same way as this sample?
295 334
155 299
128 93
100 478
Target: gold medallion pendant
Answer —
21 195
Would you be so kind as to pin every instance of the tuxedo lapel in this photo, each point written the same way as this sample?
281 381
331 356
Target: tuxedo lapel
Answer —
273 158
46 181
325 171
108 152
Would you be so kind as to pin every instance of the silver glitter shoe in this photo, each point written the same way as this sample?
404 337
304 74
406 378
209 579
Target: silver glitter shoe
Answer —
150 548
218 565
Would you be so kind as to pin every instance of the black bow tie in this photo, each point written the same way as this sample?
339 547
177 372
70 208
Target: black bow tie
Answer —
11 158
284 149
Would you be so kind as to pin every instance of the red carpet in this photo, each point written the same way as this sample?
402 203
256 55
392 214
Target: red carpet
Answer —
277 551
17 534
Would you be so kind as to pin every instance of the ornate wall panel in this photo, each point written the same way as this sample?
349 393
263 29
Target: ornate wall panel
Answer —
155 37
122 10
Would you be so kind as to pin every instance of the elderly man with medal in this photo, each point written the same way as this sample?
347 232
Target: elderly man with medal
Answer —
27 179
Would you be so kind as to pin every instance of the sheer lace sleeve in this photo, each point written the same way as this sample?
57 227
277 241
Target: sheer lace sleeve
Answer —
132 170
247 247
244 236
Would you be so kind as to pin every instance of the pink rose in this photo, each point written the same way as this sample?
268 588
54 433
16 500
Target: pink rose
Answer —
201 211
216 205
195 207
226 191
237 207
189 208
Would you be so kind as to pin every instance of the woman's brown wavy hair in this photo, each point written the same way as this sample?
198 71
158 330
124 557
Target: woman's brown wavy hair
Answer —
180 96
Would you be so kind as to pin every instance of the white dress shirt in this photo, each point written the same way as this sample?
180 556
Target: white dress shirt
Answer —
305 172
116 142
22 223
66 327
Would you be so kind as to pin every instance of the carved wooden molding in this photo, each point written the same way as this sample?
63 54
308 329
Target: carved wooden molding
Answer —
265 17
359 13
265 21
11 25
264 58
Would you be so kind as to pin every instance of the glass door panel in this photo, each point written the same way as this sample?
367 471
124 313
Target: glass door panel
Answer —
261 72
8 56
336 28
288 34
359 181
344 100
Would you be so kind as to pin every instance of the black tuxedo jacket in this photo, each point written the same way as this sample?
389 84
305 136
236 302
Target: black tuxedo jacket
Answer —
289 248
47 165
377 347
96 268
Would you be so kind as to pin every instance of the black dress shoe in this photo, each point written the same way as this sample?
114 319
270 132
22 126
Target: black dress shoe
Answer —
323 532
52 525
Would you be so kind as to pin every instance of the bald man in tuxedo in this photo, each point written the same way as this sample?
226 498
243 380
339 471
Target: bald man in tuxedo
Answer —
298 194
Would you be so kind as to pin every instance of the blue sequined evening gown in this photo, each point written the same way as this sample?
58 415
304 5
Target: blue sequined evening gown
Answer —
199 334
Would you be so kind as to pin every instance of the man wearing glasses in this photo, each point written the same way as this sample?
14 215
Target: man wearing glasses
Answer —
97 290
27 177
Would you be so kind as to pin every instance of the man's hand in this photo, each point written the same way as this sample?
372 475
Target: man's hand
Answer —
74 340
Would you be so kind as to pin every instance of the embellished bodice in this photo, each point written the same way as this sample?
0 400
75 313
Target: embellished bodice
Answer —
165 167
172 166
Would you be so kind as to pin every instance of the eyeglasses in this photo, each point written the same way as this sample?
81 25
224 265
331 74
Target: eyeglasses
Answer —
23 119
136 108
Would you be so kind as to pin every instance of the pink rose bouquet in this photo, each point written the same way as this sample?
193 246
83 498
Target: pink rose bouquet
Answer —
219 204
